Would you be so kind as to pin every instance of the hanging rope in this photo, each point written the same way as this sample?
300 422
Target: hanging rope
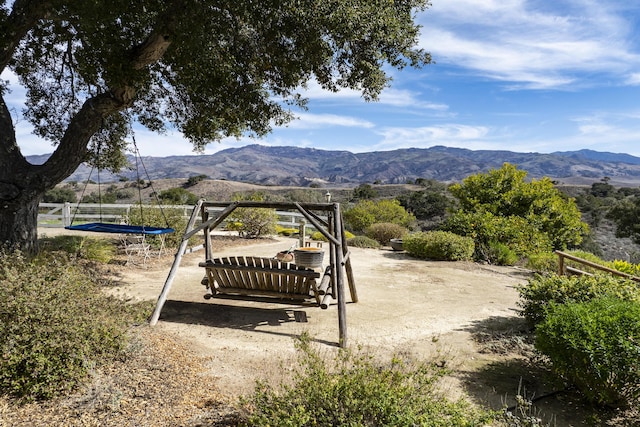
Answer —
153 190
84 189
99 182
86 184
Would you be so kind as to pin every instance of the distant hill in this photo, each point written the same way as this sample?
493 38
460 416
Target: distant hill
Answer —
292 166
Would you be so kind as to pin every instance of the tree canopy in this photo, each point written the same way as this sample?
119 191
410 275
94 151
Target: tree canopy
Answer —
209 69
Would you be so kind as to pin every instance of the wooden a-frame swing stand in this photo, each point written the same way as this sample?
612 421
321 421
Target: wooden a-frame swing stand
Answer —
264 277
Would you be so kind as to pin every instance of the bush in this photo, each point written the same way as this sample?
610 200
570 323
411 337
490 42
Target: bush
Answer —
518 234
353 390
595 346
178 196
89 248
55 325
625 267
363 242
155 217
316 235
541 292
60 195
368 212
383 232
193 180
439 245
506 194
501 254
542 262
282 231
94 197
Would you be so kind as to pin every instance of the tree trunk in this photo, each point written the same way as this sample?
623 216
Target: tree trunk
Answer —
19 222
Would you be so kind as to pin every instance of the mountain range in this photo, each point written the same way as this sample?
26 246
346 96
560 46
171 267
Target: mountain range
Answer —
293 166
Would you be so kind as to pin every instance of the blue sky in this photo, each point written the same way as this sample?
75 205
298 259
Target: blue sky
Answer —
517 75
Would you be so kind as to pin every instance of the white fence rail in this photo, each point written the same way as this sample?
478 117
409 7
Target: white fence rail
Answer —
63 214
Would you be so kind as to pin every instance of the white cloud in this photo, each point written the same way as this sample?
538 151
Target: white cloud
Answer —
522 42
315 121
451 135
389 96
633 79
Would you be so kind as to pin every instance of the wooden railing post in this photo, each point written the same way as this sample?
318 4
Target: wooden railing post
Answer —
560 263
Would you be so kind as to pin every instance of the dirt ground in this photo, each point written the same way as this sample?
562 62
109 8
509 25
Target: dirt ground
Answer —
420 308
455 313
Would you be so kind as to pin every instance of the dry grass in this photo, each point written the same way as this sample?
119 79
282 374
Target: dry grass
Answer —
162 383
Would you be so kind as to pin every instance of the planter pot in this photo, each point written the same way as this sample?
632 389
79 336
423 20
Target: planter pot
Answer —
308 257
396 244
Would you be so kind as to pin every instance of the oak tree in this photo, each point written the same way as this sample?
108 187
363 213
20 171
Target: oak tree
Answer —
209 69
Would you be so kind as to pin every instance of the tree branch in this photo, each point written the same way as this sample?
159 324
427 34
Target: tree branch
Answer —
72 150
24 16
9 150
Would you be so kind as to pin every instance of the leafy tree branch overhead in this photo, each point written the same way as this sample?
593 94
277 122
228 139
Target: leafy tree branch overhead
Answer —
210 69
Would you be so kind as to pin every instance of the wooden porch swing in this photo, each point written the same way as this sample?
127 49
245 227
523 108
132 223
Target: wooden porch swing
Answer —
257 278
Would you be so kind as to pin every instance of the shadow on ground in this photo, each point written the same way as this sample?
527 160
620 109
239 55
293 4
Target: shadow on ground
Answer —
236 317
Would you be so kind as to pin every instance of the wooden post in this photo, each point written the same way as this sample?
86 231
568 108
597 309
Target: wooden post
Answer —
560 263
66 214
333 248
204 215
174 268
347 264
342 307
302 229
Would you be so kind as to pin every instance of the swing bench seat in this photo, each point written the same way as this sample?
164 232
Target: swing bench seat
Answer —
105 227
245 277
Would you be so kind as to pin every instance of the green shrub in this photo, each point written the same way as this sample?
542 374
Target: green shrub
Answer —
538 205
363 242
193 180
518 234
90 248
502 254
55 325
439 245
153 216
383 232
125 193
60 195
542 262
252 223
282 231
595 345
316 235
353 390
178 196
625 267
542 291
368 212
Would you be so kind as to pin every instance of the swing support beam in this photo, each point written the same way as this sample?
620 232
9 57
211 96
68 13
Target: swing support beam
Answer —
333 230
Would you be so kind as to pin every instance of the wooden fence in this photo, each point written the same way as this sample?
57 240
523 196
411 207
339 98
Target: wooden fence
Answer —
563 268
